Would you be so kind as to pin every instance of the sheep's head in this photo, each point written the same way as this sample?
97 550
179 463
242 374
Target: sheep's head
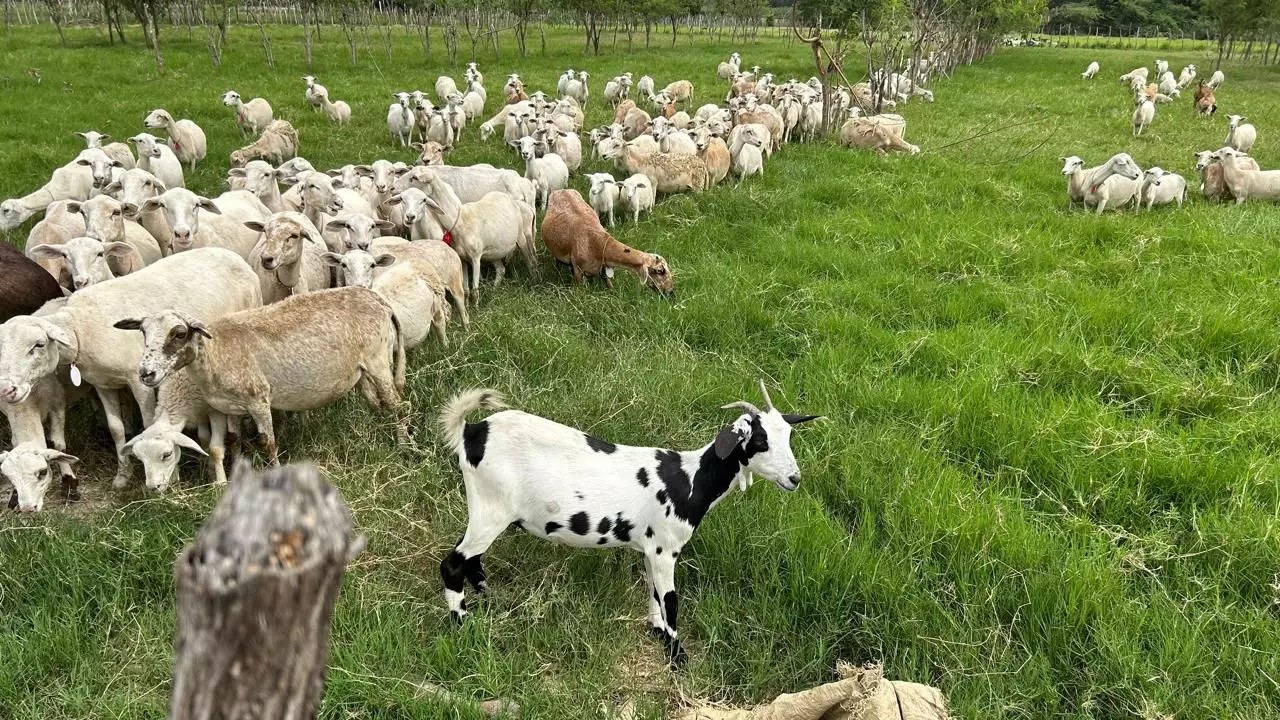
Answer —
1204 159
181 208
310 80
1235 120
402 99
86 258
283 237
93 139
29 467
158 118
761 439
416 204
431 153
259 177
657 275
231 98
1122 164
13 213
359 230
170 341
30 350
317 192
358 266
101 165
1071 164
528 147
158 448
147 144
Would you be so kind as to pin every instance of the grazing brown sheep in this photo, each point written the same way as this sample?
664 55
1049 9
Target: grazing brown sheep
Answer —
574 236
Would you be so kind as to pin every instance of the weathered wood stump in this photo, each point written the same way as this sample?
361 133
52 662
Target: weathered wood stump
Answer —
255 594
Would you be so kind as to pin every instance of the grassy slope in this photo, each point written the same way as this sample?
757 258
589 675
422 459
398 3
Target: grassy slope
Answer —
1048 483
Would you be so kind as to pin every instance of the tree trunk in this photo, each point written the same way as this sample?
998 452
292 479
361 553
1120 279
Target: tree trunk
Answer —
256 591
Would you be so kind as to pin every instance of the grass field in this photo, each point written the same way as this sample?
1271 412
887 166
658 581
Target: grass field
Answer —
1048 483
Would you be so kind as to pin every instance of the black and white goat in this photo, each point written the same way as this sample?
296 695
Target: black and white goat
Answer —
562 484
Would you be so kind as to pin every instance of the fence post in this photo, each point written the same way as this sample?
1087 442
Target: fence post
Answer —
255 594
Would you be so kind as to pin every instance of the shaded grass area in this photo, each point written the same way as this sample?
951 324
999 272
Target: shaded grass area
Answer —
1048 482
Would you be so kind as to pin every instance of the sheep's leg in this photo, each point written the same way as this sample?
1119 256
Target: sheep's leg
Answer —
475 277
146 399
217 447
663 576
115 425
1102 204
58 440
499 271
261 414
460 304
463 563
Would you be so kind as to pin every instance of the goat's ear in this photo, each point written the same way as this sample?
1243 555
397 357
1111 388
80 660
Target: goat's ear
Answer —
730 438
797 419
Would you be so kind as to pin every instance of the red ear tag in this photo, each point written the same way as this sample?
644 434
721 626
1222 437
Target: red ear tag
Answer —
448 238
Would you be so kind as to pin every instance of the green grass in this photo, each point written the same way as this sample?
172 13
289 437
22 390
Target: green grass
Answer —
1048 483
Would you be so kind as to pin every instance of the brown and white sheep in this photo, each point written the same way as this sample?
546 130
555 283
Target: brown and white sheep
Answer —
669 173
278 142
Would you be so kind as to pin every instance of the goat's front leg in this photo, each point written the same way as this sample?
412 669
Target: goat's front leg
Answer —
662 577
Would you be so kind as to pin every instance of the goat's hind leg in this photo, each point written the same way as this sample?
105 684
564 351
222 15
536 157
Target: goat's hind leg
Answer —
463 564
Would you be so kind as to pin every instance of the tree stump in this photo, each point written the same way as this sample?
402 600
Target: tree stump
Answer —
255 594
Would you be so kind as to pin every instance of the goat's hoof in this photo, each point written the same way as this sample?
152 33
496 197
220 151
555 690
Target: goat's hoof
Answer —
657 632
457 616
676 656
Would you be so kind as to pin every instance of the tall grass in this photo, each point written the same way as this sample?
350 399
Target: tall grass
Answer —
1048 482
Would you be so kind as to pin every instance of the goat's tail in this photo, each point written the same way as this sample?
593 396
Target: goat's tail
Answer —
454 415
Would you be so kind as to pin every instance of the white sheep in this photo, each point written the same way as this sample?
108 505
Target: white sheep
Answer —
1136 73
180 404
116 151
407 280
69 182
1160 187
260 179
489 230
1216 79
315 92
1143 114
197 221
400 119
1247 184
473 102
1240 135
1169 86
80 332
637 196
605 195
251 117
58 226
560 483
470 183
1187 76
1162 67
445 86
617 89
644 86
29 467
1115 183
565 144
338 111
749 160
114 245
158 159
186 139
547 173
726 70
578 89
1090 71
135 187
28 414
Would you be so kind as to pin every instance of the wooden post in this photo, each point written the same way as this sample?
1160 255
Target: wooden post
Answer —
255 594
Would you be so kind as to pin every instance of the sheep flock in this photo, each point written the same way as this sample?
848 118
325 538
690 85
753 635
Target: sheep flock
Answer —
1226 174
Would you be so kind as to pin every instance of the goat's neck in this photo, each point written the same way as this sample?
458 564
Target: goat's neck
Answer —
692 497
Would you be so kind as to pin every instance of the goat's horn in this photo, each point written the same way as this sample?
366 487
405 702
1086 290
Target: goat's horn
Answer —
765 391
743 405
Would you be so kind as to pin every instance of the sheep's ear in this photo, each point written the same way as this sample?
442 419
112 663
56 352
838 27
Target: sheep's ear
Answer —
46 252
186 442
337 225
103 136
152 204
199 329
117 249
208 206
395 200
332 259
236 172
384 260
73 207
385 225
86 137
53 456
433 205
130 210
364 171
128 324
114 187
255 225
82 161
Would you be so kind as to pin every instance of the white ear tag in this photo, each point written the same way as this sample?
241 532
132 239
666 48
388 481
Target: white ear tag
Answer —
75 375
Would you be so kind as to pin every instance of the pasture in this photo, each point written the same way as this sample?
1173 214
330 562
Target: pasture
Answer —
1047 482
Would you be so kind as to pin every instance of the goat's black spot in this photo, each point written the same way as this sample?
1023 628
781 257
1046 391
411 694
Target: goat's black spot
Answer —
672 606
474 437
600 446
648 532
658 551
579 495
603 527
691 498
662 497
580 523
474 570
451 571
622 529
655 595
602 541
643 477
552 527
668 511
519 524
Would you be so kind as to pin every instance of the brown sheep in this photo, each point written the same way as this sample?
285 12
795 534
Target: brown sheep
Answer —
574 236
623 108
874 137
1206 104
